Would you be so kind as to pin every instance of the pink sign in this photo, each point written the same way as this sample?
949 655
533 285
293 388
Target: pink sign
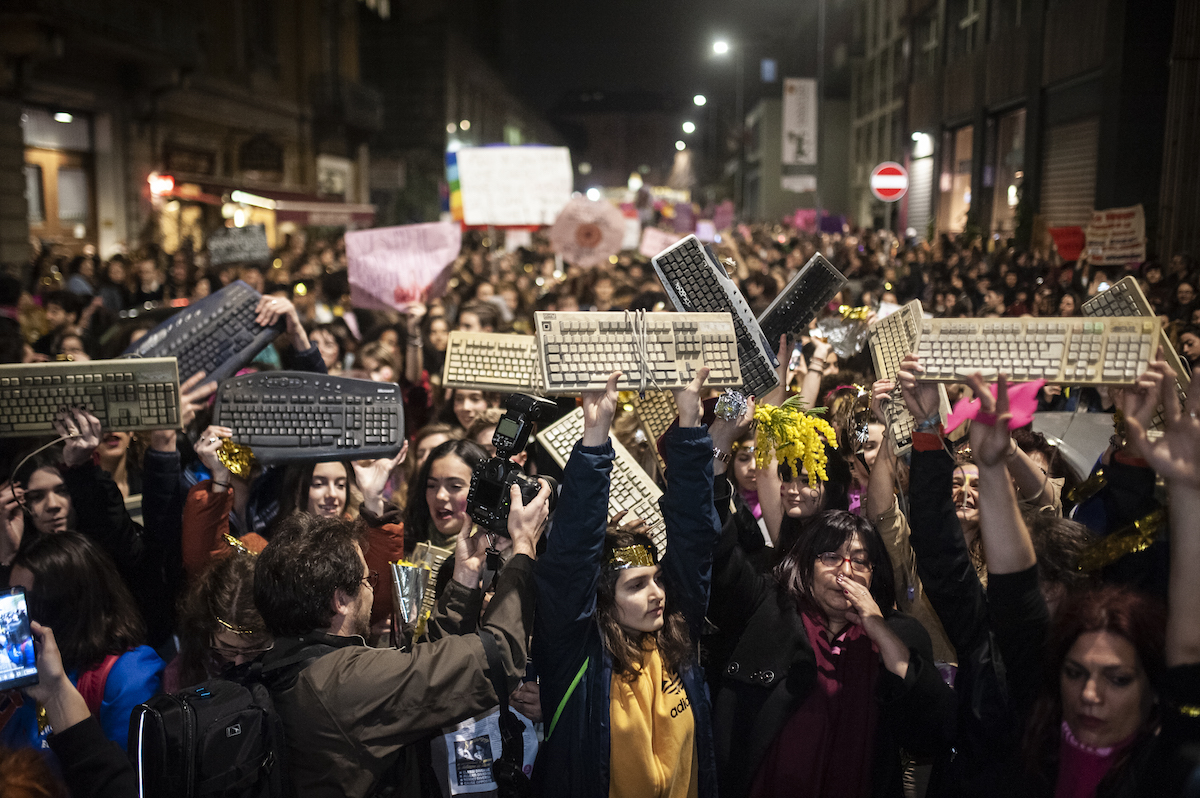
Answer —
806 219
655 241
391 267
723 216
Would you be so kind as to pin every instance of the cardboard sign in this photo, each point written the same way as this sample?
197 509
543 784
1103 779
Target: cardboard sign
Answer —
391 267
1117 236
239 245
655 241
1069 240
513 186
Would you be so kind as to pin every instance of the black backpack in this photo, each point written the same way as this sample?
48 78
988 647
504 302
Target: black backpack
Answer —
222 737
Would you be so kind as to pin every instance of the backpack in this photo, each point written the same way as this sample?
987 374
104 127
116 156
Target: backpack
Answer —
221 737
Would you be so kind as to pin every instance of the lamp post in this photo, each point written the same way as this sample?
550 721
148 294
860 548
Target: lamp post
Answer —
722 47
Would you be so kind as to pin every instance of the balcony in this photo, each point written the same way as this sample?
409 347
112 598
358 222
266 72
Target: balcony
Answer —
339 102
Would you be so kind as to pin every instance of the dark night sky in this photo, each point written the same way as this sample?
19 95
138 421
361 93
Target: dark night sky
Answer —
622 45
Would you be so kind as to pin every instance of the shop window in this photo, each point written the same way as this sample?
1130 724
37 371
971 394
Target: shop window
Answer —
1010 170
34 194
954 185
965 21
928 38
72 195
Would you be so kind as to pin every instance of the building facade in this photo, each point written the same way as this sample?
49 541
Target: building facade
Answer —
127 121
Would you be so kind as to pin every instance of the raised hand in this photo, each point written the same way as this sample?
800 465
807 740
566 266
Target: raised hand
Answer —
206 449
599 408
881 395
1176 455
688 399
272 308
82 431
991 443
527 522
372 477
1141 400
921 398
192 397
13 519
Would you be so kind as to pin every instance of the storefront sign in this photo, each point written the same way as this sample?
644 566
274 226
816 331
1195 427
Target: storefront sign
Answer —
391 267
239 245
1117 236
799 122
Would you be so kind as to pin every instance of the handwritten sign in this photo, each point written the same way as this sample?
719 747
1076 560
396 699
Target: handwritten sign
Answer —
513 186
1117 236
239 245
391 267
655 241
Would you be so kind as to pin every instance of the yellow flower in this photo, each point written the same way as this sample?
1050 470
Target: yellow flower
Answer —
794 437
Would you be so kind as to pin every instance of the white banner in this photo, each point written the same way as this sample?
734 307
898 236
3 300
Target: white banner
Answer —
799 122
514 186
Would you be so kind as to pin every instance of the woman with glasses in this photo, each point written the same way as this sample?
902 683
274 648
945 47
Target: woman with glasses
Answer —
827 682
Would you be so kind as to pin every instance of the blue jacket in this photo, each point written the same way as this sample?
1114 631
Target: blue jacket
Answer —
574 760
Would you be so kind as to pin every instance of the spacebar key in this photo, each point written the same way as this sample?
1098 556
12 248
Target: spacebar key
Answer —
274 440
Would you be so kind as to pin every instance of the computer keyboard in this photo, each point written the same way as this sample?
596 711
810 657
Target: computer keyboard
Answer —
1125 298
1064 351
630 487
802 299
893 337
217 335
654 351
696 283
655 412
125 395
492 362
297 415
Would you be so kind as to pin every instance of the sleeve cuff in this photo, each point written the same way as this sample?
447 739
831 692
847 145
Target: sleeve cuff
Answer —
927 441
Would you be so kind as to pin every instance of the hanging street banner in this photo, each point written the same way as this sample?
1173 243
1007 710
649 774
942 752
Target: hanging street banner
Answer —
799 122
1117 236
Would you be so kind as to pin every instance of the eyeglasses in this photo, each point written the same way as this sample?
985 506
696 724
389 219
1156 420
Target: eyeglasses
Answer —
229 654
859 564
372 579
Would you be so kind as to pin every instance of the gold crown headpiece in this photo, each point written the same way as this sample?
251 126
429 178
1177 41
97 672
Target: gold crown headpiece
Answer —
637 556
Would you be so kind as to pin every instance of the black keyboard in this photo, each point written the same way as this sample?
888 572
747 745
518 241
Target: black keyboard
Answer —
216 335
297 415
696 283
802 299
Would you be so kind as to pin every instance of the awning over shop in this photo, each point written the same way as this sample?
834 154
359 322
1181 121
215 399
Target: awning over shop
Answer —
306 210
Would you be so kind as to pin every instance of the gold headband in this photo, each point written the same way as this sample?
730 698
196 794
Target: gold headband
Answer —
631 557
237 630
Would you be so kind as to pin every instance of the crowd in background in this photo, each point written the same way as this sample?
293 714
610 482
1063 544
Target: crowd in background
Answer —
163 590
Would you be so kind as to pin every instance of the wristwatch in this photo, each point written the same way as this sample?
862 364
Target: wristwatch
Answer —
724 457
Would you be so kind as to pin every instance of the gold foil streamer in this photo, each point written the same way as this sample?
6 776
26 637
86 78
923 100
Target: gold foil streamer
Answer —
1088 488
631 557
236 457
854 314
1134 538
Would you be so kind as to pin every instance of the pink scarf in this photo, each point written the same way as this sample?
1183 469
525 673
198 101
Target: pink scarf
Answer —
1081 767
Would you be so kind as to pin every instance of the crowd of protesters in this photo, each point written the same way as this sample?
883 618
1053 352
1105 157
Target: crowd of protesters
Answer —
967 618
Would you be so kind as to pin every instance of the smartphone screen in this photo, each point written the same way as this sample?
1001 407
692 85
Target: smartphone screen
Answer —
18 663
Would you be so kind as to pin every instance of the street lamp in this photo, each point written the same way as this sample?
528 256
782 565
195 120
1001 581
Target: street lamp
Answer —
681 146
689 127
699 99
720 47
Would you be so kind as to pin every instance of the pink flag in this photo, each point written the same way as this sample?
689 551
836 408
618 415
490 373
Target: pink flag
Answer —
391 267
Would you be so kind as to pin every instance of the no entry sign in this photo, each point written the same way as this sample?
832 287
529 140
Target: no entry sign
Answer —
889 181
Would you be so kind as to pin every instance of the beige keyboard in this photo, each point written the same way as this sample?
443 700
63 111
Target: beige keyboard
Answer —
630 487
655 412
893 337
654 351
1125 298
492 362
1064 351
126 395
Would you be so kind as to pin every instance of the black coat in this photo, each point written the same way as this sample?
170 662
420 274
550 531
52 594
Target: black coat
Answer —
772 670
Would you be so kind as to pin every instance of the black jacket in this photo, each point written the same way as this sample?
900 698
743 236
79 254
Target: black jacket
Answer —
772 670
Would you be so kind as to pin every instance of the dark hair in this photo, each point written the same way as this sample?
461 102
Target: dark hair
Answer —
627 648
447 413
297 576
78 593
827 532
487 313
1058 543
66 300
417 520
835 495
225 590
1139 619
297 479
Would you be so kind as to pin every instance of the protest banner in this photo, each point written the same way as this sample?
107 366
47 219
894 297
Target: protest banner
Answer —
510 186
239 245
1117 236
799 122
655 241
587 232
391 267
1069 241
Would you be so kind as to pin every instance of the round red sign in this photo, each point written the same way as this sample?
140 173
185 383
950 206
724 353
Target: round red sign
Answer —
889 181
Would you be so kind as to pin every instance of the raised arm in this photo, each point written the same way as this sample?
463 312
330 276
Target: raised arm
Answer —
1176 457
